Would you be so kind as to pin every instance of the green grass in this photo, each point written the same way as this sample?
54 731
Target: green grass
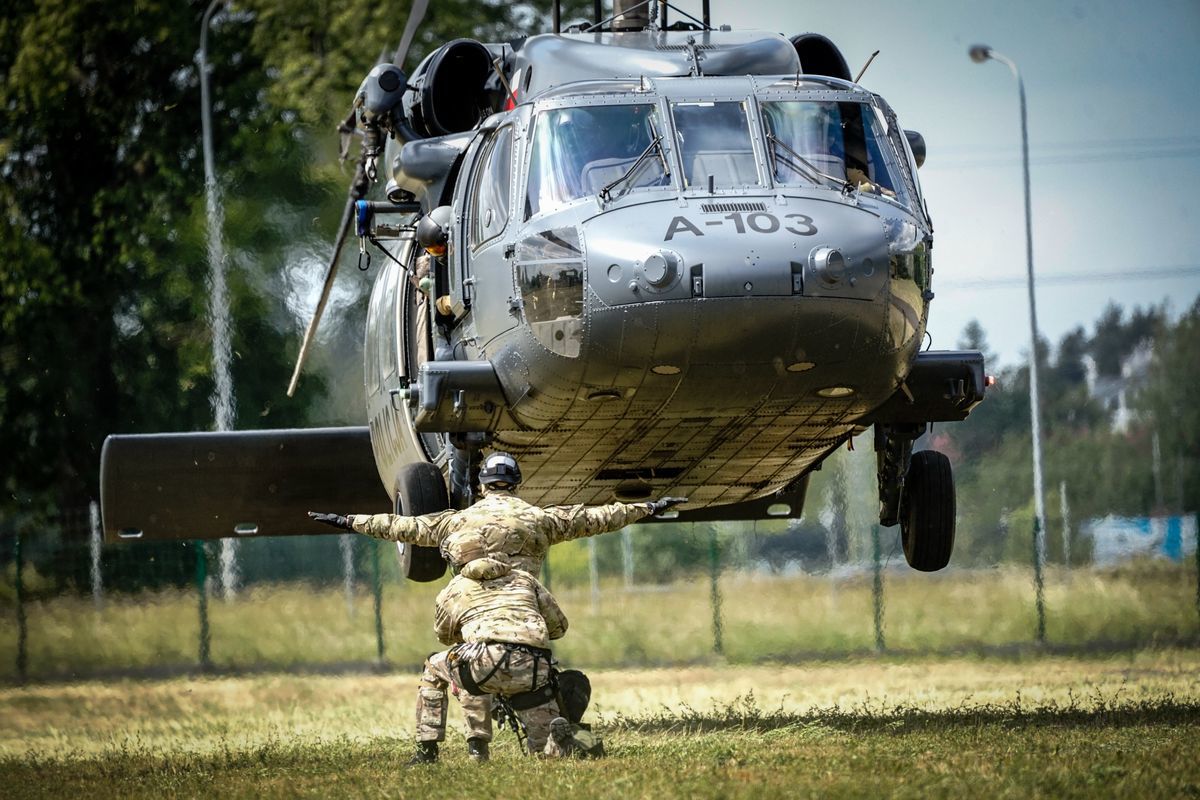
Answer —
763 617
1124 726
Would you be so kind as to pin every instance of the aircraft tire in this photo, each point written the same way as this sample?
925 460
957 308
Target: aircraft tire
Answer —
927 512
420 489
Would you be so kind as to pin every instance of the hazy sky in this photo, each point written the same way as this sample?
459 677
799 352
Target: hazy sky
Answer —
1114 131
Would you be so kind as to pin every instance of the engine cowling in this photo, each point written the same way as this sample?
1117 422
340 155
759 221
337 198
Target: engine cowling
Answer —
450 89
820 56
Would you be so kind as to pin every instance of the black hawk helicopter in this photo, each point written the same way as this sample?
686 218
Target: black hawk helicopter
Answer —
667 259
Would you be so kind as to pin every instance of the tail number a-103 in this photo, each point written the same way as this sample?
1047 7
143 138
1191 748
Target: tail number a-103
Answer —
756 222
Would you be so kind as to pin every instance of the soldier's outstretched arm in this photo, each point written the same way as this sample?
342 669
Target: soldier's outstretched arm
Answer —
576 522
427 530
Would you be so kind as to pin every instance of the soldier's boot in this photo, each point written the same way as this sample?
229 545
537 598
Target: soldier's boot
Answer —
427 753
477 749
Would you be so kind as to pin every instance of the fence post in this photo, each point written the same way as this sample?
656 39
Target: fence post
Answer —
1038 583
714 561
377 581
202 591
594 574
627 556
877 590
1065 507
346 542
96 541
1197 562
22 632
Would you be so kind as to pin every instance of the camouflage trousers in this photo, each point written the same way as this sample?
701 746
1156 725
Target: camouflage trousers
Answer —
498 670
436 679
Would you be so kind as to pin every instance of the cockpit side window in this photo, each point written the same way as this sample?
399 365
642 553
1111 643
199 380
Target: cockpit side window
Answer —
810 140
579 151
491 191
714 141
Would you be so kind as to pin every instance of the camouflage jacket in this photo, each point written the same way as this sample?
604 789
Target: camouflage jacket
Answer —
508 524
510 607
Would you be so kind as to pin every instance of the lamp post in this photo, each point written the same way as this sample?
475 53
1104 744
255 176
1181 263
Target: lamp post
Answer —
980 53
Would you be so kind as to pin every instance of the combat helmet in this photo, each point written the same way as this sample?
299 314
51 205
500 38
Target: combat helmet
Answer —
500 470
433 230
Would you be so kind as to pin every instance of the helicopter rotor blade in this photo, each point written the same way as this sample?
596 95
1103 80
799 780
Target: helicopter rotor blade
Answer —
410 29
357 191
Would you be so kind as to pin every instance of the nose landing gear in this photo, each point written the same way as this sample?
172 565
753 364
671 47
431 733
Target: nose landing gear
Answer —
916 490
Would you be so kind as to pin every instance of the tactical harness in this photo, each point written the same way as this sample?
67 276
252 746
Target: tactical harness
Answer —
570 688
536 696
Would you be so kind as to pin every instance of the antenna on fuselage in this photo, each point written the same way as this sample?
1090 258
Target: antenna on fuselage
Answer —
864 69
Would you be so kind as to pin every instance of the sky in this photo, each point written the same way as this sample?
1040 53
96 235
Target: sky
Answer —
1114 138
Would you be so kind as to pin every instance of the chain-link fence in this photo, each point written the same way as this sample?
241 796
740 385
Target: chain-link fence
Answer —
832 584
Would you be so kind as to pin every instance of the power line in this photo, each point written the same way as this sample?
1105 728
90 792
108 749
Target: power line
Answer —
1053 278
1067 153
1146 143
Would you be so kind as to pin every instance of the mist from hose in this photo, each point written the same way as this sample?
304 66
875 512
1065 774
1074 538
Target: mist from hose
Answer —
218 314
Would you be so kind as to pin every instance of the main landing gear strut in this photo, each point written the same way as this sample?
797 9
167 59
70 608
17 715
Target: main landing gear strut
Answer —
420 489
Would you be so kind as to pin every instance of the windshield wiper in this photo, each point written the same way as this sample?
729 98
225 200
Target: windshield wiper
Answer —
809 169
655 144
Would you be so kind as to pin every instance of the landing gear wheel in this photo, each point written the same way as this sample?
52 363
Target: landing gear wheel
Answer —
420 489
927 512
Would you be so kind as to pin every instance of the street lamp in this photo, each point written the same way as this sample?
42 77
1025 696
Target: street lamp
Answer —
980 53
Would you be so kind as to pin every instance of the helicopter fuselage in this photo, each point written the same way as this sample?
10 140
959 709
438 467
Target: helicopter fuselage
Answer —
675 304
676 263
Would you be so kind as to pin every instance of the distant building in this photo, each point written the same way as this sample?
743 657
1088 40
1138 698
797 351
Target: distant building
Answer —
1113 392
1116 539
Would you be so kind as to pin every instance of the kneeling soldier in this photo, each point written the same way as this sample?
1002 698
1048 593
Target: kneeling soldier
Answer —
500 621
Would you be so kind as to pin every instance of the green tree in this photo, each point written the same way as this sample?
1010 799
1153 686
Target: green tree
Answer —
1168 405
1116 337
103 296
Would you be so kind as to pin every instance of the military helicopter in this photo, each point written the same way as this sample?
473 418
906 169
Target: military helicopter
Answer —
667 259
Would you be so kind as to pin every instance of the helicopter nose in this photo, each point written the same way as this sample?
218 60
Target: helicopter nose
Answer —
748 249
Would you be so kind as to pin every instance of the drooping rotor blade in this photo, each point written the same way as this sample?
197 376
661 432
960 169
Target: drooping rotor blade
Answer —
358 189
410 30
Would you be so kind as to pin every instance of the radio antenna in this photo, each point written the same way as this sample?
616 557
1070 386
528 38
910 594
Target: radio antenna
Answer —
864 69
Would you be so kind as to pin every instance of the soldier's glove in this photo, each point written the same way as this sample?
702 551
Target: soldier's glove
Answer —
336 520
662 504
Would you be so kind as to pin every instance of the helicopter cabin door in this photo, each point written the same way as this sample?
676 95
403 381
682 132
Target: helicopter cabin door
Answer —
486 274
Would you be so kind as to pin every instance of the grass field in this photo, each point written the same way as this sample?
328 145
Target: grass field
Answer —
763 617
1123 726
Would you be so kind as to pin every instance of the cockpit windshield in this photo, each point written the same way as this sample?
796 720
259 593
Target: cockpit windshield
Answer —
714 144
579 151
811 139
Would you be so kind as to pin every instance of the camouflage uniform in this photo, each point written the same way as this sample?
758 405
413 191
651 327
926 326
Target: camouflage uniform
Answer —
421 270
508 525
485 610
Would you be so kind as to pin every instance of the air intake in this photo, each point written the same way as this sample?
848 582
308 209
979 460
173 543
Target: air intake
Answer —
718 208
639 474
